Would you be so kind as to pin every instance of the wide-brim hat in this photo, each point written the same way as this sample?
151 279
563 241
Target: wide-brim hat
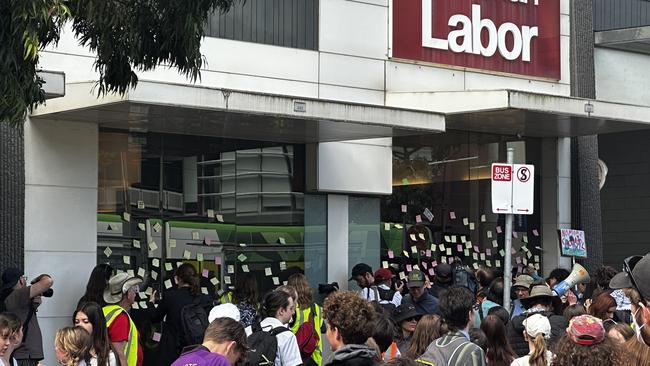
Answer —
118 285
405 311
540 292
640 273
523 281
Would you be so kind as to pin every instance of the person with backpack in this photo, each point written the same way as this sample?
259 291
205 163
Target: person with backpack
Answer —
418 295
185 314
386 296
363 276
309 321
271 342
224 344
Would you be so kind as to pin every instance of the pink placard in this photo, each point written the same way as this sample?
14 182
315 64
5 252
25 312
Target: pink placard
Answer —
428 253
452 215
434 264
499 230
424 265
391 255
404 208
206 273
418 219
450 260
156 337
476 248
217 261
459 247
488 252
409 268
515 235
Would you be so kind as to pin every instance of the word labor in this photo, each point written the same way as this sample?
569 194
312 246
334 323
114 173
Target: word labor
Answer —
502 173
467 37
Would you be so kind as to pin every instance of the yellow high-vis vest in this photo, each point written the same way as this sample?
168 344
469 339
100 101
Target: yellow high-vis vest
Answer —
131 349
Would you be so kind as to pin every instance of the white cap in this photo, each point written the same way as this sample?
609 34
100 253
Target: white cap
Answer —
536 324
224 311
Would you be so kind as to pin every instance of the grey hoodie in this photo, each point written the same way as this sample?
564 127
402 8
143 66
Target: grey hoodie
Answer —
354 355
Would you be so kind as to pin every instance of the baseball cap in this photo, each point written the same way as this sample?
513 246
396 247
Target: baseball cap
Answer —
383 274
443 272
360 269
416 278
586 330
405 311
227 310
537 324
10 277
635 274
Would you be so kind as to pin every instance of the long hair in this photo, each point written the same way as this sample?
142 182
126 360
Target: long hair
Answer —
96 284
636 353
538 357
569 353
305 293
75 342
499 352
187 273
246 290
101 344
601 305
429 328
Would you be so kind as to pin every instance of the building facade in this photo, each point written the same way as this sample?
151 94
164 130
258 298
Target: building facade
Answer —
321 134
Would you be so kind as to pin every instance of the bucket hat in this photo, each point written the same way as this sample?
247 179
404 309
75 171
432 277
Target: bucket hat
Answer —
523 281
118 285
539 292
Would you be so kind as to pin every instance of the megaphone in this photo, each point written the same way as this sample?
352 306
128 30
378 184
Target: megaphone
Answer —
578 275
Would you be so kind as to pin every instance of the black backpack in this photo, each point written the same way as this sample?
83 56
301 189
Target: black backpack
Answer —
462 277
194 321
263 345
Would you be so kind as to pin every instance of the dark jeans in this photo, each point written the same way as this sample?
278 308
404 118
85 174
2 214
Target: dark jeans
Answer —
27 362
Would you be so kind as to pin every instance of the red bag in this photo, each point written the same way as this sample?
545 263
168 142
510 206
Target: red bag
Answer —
307 335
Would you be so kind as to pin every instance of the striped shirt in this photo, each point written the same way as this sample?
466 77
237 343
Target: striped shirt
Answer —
453 349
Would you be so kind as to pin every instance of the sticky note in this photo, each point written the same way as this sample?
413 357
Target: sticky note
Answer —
283 266
535 232
488 251
416 267
536 259
459 247
384 264
450 260
130 272
421 236
489 234
155 262
428 253
214 281
154 275
465 221
447 238
244 268
476 249
141 271
414 249
402 276
495 243
413 237
525 239
434 264
398 226
205 273
475 265
499 230
135 306
136 243
172 243
195 235
268 271
199 257
187 254
227 280
497 263
391 255
126 216
454 239
148 291
409 268
428 214
431 272
140 205
433 247
168 284
156 227
525 261
475 256
210 213
219 218
489 263
282 241
466 252
142 295
537 266
441 247
424 265
471 226
515 235
231 269
406 254
204 290
529 254
452 215
482 256
518 260
217 261
168 266
126 259
386 226
483 219
276 281
207 241
502 253
463 239
418 218
404 208
153 246
468 245
449 251
142 227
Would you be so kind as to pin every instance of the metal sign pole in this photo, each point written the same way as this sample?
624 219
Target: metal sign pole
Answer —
507 269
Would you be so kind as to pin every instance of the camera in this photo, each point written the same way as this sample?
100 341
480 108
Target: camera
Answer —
48 293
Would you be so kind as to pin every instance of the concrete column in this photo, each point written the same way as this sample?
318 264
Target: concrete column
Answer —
337 240
60 216
556 199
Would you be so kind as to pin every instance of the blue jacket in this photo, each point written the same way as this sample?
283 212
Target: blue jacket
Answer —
426 304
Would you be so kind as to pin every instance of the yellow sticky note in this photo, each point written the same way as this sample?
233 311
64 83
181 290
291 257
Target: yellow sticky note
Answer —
465 221
468 245
220 218
168 284
283 266
142 227
244 268
441 247
126 259
204 290
447 238
471 226
155 262
495 243
483 219
414 249
242 257
135 306
214 281
448 251
136 243
463 239
475 256
172 243
268 271
489 234
466 252
386 226
195 235
153 246
398 226
130 272
488 263
199 257
210 213
141 272
406 254
413 237
140 205
454 239
226 280
475 265
187 254
168 267
525 239
384 264
154 275
126 216
482 256
157 227
282 241
421 236
433 247
108 252
231 269
276 281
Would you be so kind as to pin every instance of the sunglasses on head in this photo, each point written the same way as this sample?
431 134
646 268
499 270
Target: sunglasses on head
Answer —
628 266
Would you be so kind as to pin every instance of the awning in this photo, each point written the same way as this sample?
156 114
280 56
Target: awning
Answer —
197 110
527 114
635 39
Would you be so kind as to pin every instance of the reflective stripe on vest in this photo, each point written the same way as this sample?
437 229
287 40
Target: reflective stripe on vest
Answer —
111 313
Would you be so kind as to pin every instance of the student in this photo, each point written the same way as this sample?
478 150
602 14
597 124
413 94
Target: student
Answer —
499 352
224 344
429 328
246 297
91 318
418 295
387 297
277 309
96 284
119 295
585 344
406 317
72 346
620 333
307 310
363 276
349 321
537 329
11 336
455 347
603 307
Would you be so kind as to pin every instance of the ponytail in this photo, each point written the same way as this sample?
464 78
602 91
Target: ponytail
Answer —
189 276
538 358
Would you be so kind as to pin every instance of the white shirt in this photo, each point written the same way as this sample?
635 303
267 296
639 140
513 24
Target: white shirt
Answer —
370 294
288 353
523 361
111 360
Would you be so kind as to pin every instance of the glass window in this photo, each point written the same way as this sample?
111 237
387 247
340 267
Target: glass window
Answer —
363 232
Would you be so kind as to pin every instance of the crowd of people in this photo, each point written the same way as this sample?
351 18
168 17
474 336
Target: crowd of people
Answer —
456 317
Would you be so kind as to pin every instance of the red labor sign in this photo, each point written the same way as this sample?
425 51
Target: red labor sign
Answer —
511 36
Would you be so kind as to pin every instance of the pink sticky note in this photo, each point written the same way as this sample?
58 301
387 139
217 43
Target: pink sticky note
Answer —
206 241
409 268
450 260
452 215
217 261
459 247
520 269
513 251
431 272
424 265
404 208
476 248
515 235
156 337
428 253
499 230
434 264
418 218
535 232
488 251
206 273
518 260
391 255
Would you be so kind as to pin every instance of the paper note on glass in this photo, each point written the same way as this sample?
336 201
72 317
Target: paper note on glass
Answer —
276 281
126 216
153 246
244 268
210 213
126 259
172 243
168 284
187 254
268 271
142 227
231 269
195 235
136 243
155 262
199 257
219 218
168 266
156 227
386 226
214 281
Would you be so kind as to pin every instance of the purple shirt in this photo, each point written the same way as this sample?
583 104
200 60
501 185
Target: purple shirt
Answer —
201 356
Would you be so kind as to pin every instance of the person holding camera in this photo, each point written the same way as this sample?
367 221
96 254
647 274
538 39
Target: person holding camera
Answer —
24 300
